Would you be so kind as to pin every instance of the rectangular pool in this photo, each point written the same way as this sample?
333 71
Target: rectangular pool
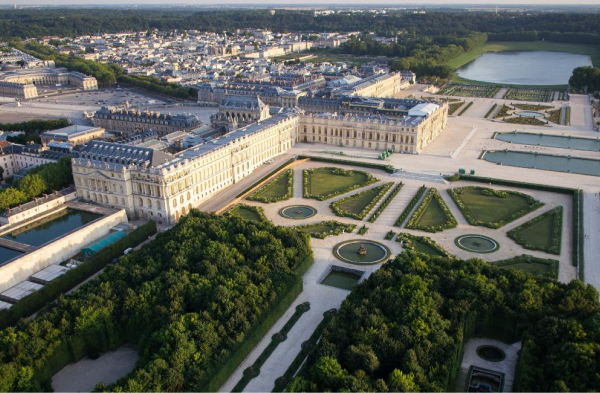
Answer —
561 142
7 254
51 227
342 280
549 162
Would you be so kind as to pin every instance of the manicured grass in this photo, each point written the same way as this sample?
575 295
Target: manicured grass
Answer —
530 121
555 116
453 107
530 264
325 183
251 213
278 189
492 208
324 229
497 46
432 215
421 244
542 233
357 206
531 107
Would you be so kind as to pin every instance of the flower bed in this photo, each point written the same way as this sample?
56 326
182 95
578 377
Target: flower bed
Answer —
541 237
422 211
386 202
411 205
286 179
511 197
378 192
503 112
308 191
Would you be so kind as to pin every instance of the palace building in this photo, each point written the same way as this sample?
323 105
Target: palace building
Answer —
132 121
152 184
22 83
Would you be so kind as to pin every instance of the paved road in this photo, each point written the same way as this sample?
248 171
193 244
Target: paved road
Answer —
591 225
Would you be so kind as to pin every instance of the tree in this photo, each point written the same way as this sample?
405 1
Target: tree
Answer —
32 185
400 382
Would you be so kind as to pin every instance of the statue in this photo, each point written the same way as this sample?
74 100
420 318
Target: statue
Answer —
362 250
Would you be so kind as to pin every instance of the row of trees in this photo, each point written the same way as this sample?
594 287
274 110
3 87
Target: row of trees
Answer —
404 327
42 179
188 300
73 22
586 78
35 126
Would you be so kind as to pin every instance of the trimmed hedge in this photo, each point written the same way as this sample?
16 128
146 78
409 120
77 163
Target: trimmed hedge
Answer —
386 202
525 258
306 192
306 349
556 215
363 230
491 111
411 205
383 167
338 227
578 234
381 191
277 338
390 235
51 291
432 194
288 162
256 209
532 204
466 108
289 189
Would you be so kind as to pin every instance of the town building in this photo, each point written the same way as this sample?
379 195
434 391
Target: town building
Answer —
132 121
74 134
22 82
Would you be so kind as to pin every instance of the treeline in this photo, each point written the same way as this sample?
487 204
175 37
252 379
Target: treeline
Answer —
586 78
73 22
43 179
156 86
194 301
35 126
403 329
423 54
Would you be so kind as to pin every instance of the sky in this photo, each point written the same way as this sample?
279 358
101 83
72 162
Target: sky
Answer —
297 2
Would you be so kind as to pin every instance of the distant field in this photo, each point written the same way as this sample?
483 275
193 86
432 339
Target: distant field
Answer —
497 46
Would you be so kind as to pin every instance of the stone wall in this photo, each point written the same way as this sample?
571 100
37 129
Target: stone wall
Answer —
15 216
18 270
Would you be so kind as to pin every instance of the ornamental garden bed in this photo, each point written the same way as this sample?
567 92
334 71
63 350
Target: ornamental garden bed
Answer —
432 215
469 90
529 94
251 213
422 244
554 116
530 121
357 206
531 107
413 202
279 189
482 206
325 183
324 229
504 112
530 264
543 233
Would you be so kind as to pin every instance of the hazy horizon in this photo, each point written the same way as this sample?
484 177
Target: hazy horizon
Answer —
300 2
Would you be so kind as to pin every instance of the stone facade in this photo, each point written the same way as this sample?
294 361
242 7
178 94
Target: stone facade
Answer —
131 121
11 81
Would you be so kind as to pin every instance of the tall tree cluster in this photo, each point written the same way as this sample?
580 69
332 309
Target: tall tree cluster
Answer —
188 300
404 327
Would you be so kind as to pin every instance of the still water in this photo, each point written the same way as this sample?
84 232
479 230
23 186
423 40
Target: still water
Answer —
524 67
51 227
549 162
563 142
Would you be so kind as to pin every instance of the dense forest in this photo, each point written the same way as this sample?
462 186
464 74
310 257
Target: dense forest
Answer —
586 78
505 25
194 301
403 329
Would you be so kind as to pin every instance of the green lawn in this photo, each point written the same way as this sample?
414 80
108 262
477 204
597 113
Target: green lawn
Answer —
530 264
426 249
277 189
326 183
359 202
493 210
498 46
531 267
247 212
540 233
324 229
433 215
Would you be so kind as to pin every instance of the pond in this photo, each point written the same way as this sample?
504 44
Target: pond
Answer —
476 243
51 227
562 142
340 279
529 114
524 67
298 212
548 162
